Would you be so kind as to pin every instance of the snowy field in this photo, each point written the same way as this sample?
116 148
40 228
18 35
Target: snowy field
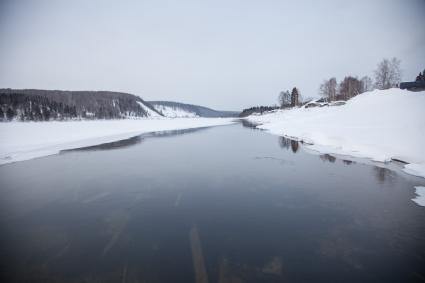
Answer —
381 125
26 140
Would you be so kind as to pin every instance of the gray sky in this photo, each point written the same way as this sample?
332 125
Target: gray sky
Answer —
224 54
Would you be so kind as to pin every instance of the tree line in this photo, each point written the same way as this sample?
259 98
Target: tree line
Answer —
257 109
35 108
386 75
290 99
45 105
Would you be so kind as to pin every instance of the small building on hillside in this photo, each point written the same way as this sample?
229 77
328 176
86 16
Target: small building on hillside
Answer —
413 86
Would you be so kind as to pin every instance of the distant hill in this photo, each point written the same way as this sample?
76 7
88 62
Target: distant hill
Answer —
175 109
43 105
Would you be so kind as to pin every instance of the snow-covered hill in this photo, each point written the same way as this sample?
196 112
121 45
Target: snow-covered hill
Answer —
178 110
48 105
381 125
174 112
150 111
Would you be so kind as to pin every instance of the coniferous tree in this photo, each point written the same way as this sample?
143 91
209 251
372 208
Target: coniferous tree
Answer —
421 76
10 114
294 97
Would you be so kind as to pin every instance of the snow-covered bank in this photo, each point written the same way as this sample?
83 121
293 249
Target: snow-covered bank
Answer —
420 196
381 125
26 140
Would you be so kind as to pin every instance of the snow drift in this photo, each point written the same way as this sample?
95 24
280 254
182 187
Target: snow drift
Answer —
382 125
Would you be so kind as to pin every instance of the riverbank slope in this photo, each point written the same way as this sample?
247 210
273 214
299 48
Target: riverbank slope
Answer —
382 125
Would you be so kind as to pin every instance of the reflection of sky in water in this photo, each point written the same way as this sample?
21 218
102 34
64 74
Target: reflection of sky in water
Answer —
225 203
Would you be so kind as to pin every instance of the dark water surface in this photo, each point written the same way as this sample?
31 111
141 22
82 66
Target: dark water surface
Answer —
222 204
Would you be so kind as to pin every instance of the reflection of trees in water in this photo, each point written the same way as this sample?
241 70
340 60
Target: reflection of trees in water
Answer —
348 162
382 174
328 157
110 145
284 142
171 133
288 143
136 140
249 124
294 146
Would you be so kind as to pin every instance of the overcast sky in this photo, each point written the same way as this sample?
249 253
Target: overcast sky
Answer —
223 54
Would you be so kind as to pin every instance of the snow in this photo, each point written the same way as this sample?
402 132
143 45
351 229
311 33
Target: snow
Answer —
26 140
415 169
174 112
149 112
381 125
420 198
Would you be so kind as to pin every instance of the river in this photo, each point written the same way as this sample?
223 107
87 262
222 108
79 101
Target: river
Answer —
219 204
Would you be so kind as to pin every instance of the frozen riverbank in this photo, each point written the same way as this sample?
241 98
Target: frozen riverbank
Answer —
26 140
381 125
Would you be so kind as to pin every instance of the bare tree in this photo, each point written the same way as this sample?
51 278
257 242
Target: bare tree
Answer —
366 84
388 73
328 89
284 99
349 87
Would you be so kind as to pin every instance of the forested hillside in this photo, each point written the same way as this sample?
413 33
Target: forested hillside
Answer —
44 105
